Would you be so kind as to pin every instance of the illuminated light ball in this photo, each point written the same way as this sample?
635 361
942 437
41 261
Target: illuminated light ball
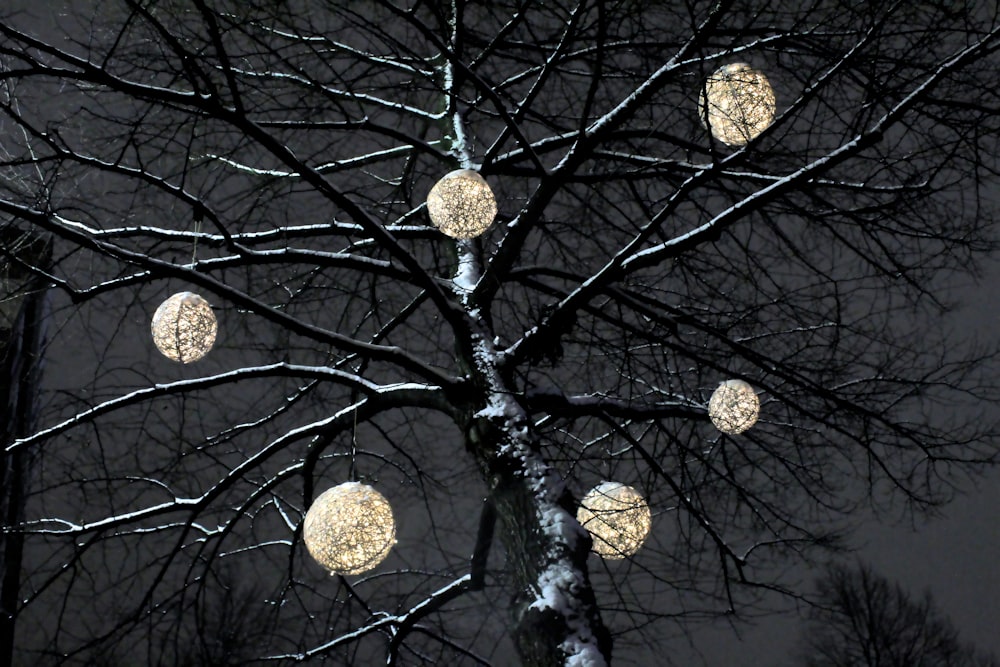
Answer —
461 204
184 327
349 529
737 104
734 407
617 518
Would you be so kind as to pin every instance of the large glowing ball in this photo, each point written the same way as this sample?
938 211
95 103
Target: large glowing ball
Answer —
184 327
736 104
349 529
461 204
734 407
617 518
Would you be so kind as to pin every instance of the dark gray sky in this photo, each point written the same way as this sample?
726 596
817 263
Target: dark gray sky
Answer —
953 555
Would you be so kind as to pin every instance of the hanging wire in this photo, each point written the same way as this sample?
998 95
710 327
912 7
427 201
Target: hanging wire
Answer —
194 246
354 449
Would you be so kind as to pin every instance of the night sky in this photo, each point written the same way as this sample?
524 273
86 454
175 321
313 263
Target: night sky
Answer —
952 554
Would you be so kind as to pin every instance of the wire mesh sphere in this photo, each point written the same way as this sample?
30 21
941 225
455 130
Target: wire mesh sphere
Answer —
461 204
184 327
734 407
737 104
349 529
617 518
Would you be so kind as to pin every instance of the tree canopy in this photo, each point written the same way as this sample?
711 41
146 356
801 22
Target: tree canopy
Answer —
275 158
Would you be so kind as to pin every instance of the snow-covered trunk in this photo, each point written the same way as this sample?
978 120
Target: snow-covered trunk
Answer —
555 616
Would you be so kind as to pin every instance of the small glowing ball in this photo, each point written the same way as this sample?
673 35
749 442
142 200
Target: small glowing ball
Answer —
461 204
737 104
617 518
349 529
184 327
734 407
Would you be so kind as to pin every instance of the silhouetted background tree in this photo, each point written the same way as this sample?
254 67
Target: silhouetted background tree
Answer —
23 318
864 620
275 158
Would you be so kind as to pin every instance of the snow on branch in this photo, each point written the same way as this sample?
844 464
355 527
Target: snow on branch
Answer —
401 393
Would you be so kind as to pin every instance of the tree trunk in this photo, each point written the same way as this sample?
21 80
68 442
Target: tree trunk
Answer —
19 373
555 616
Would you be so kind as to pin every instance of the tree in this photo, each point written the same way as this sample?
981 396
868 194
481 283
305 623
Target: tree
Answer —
275 157
22 336
864 620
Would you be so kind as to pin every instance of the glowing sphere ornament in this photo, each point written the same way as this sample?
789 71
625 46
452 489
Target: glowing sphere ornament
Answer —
461 204
617 518
734 407
184 327
349 529
736 104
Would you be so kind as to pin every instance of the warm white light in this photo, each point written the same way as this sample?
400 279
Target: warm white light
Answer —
737 104
461 204
184 327
617 518
734 407
349 529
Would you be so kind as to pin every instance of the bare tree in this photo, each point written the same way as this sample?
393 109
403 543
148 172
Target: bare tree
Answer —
863 620
275 158
22 338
